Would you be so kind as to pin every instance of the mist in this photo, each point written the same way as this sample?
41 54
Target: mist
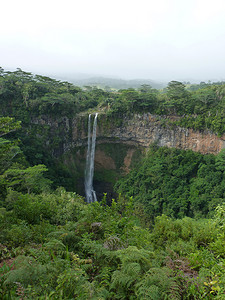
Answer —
164 40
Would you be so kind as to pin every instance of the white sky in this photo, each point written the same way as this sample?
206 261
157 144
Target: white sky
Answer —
160 39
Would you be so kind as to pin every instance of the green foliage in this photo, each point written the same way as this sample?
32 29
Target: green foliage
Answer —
54 246
35 95
4 269
39 101
176 183
158 283
19 234
79 251
10 152
134 263
8 125
57 207
30 179
196 233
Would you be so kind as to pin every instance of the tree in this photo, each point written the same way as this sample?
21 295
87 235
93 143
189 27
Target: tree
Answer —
177 98
145 88
206 96
129 98
27 89
176 90
30 179
8 149
8 125
220 161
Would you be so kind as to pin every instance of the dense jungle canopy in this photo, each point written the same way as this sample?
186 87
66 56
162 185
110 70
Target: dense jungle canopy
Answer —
161 238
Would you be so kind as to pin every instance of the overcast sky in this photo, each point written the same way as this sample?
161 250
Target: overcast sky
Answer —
160 39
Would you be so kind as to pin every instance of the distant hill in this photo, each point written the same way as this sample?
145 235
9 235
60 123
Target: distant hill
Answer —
103 82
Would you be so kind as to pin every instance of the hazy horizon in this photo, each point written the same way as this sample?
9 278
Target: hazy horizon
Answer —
161 41
76 77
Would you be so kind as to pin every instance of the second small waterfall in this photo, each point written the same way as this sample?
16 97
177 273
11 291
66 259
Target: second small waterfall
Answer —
89 170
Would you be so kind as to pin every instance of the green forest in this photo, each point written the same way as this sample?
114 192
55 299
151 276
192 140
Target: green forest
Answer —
162 237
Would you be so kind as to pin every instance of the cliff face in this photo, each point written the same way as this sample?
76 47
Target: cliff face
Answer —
137 130
119 144
146 129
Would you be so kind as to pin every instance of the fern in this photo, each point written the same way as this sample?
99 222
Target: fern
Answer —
134 263
28 271
97 251
104 277
73 284
113 243
133 254
4 269
126 277
158 284
56 246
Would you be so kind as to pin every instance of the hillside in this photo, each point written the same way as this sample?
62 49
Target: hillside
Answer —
117 84
158 234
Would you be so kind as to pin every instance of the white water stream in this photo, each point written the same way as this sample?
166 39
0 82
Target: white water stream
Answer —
89 169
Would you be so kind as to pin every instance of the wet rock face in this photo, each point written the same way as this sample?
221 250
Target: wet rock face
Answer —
102 160
137 130
143 130
119 145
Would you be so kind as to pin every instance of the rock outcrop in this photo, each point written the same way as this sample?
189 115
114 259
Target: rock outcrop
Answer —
119 144
137 130
146 129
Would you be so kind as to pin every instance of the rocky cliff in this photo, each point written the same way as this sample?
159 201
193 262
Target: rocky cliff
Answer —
120 144
137 130
143 130
146 129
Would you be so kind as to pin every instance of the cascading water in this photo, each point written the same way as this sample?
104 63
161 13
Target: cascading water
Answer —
89 170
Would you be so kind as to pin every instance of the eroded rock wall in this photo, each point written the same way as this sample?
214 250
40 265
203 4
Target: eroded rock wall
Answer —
146 129
138 130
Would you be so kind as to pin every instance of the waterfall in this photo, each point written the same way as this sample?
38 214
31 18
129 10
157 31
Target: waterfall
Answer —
89 169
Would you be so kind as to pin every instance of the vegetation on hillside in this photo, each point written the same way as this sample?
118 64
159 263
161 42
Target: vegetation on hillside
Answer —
111 84
176 182
28 98
54 246
162 238
24 95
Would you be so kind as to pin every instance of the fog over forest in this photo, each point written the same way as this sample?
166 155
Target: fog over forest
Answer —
159 40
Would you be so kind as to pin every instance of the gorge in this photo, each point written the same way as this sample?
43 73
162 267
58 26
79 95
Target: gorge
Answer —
120 141
136 129
157 159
